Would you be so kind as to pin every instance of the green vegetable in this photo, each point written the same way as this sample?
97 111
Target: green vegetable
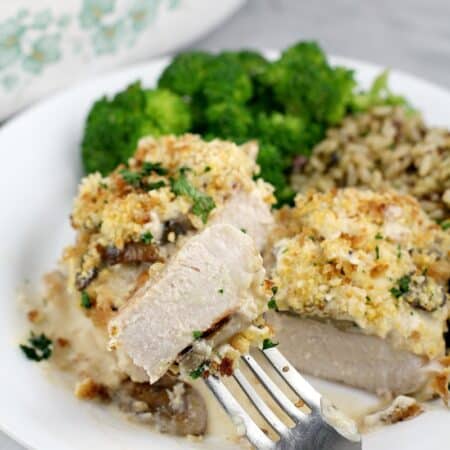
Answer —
147 237
402 286
114 126
226 80
229 121
167 111
85 300
306 85
197 334
202 204
273 168
39 348
268 343
186 73
445 225
378 94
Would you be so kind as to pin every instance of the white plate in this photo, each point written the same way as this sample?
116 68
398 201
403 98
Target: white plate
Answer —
40 172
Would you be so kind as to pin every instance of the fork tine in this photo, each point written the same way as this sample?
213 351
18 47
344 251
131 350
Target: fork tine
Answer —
238 415
293 378
277 394
259 404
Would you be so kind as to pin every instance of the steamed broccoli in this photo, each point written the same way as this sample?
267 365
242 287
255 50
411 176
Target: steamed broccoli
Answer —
114 126
289 133
226 80
252 62
306 85
186 73
273 169
229 121
167 111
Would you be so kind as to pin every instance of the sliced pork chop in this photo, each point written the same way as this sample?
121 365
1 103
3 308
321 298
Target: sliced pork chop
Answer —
250 213
216 275
366 362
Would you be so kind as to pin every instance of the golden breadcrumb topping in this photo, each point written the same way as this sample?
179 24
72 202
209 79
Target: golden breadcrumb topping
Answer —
374 259
171 187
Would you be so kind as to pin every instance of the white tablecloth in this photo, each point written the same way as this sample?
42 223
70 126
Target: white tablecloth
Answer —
411 35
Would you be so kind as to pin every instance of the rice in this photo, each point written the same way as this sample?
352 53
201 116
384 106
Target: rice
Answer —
386 147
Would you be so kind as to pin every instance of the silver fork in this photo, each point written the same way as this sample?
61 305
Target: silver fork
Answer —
312 431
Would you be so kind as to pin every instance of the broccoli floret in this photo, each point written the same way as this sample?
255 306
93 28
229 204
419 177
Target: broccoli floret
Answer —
305 85
272 170
167 111
226 80
287 132
185 74
252 62
378 94
114 126
229 121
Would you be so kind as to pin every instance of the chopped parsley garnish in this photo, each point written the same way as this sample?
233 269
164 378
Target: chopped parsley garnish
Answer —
399 251
243 230
198 372
378 236
39 348
272 304
402 286
147 237
197 334
132 178
220 291
445 225
203 204
85 300
377 252
156 185
149 167
268 343
207 169
368 299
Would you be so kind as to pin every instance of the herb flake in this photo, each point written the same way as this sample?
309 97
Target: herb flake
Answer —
272 304
147 237
268 343
149 167
377 252
85 300
378 236
196 334
39 348
202 204
198 372
402 286
132 178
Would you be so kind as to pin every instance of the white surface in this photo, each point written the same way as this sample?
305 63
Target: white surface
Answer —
41 169
47 44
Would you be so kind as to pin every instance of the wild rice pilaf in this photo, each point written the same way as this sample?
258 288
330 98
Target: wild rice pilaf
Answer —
384 148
